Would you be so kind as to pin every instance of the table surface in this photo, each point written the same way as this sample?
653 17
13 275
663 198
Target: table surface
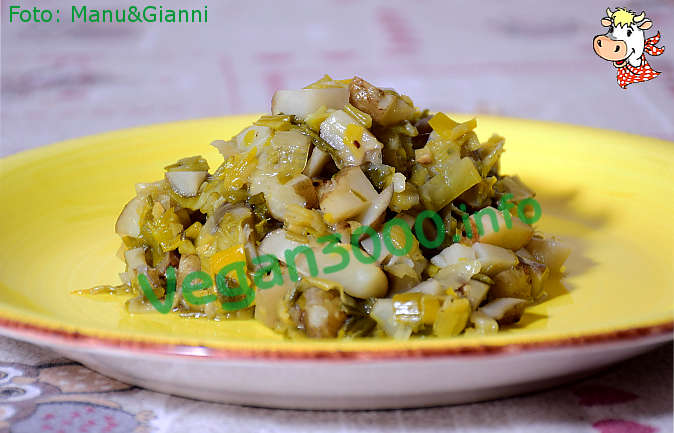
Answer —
64 80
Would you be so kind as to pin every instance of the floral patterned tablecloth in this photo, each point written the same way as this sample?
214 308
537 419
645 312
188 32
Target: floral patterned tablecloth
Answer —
41 392
524 59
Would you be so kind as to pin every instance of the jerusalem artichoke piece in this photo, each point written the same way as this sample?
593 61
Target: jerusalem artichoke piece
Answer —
360 280
135 260
355 179
452 255
490 226
550 251
129 221
341 203
482 324
513 185
539 275
187 265
186 183
348 195
226 148
429 286
458 274
320 313
268 301
475 291
402 277
316 162
504 310
538 271
494 259
373 215
305 101
385 107
186 175
515 282
304 187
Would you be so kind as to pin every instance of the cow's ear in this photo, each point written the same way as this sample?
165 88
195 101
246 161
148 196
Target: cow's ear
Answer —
646 25
606 22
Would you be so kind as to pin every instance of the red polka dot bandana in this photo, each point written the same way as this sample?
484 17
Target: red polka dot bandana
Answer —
629 74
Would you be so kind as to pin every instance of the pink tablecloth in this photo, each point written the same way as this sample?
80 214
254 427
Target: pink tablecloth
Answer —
525 59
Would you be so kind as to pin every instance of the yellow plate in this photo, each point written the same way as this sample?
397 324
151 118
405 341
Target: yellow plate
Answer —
607 193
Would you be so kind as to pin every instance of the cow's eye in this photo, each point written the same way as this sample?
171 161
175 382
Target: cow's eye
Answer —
629 33
610 29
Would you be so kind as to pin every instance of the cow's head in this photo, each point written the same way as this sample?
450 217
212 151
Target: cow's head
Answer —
624 40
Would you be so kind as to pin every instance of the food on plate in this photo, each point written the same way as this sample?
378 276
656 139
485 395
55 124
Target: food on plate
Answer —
348 212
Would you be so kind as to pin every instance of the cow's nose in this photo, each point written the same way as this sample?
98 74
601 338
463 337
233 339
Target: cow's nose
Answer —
609 49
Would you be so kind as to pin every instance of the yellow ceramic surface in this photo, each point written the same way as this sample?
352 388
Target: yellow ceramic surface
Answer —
607 193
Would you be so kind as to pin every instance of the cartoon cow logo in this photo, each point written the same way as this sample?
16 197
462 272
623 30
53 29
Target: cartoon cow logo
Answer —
625 45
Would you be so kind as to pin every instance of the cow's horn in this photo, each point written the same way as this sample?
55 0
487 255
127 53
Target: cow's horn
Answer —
608 12
640 17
